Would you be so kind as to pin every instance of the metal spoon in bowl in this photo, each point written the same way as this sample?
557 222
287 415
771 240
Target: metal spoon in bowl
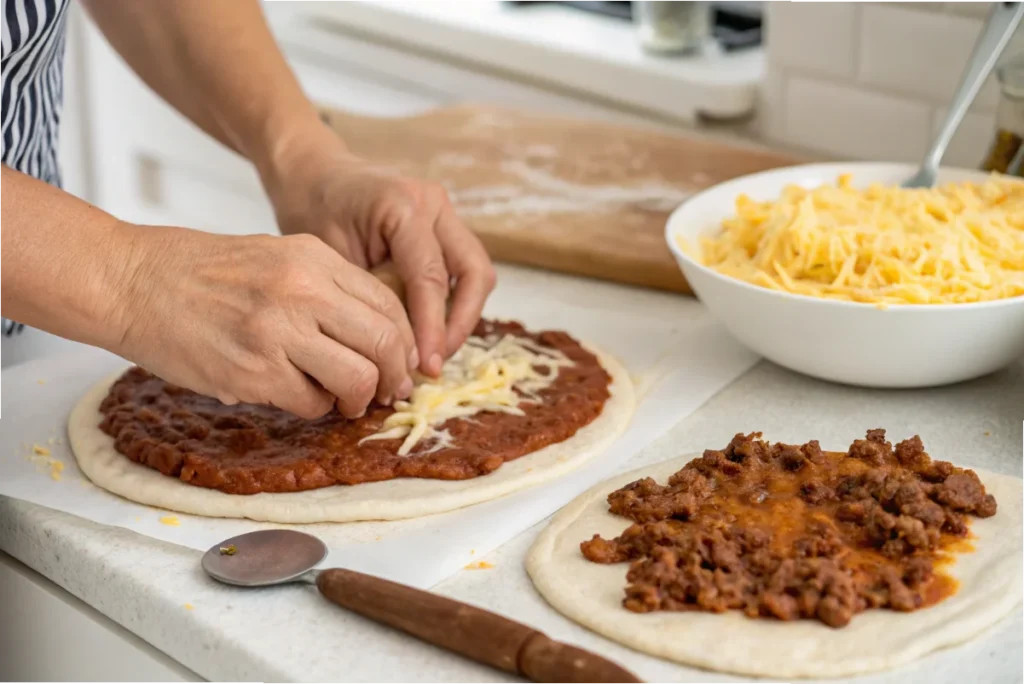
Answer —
999 28
269 557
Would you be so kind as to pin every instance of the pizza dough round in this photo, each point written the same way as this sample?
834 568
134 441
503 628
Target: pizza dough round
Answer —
386 500
591 594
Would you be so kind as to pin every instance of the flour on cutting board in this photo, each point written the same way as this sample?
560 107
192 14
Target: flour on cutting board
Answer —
540 192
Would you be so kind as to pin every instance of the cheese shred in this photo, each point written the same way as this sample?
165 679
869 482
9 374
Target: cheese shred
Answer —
494 373
958 243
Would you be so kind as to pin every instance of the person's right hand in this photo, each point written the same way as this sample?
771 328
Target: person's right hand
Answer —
285 321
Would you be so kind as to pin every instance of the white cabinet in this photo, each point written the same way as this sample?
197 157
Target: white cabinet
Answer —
46 634
137 158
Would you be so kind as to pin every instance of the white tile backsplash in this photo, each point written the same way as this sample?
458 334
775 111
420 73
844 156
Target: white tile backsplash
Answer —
978 10
970 142
771 106
919 53
815 37
873 80
849 122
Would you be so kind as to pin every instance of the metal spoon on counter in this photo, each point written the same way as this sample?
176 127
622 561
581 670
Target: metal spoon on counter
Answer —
1003 19
270 557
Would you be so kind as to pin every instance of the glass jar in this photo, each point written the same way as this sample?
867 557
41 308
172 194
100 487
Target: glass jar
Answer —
1006 155
672 27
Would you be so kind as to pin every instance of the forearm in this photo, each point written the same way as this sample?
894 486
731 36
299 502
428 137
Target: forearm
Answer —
218 64
65 264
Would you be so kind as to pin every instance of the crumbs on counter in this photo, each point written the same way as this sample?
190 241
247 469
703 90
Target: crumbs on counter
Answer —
988 433
229 550
480 565
44 461
188 606
41 382
171 520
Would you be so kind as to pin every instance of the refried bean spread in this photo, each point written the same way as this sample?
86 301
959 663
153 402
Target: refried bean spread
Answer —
247 449
791 532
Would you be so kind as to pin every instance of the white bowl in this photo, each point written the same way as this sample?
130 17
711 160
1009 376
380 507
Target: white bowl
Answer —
911 345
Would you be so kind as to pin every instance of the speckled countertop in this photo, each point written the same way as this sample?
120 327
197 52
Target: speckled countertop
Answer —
290 633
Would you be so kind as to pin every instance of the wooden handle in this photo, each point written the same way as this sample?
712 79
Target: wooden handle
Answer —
469 631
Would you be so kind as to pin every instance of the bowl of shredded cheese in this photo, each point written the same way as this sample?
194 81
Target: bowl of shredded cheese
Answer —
835 271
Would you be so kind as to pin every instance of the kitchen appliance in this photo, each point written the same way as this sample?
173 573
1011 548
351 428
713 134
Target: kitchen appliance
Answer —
271 557
734 25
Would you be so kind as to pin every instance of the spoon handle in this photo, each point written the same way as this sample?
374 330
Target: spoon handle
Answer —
469 631
1002 22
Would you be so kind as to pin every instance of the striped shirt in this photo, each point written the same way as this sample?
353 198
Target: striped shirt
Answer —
32 61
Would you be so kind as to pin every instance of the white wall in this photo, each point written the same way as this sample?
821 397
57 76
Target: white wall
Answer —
872 80
75 141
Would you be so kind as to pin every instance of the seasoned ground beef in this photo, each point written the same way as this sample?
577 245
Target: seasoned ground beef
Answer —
247 449
791 532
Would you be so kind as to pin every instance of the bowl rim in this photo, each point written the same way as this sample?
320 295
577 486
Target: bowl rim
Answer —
681 256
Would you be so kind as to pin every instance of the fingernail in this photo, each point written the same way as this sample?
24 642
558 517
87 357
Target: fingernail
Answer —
435 364
405 389
414 359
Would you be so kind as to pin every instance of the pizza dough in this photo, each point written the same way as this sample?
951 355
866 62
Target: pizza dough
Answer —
591 594
386 500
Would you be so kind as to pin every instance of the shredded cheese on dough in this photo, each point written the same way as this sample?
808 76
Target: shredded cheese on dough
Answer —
493 373
884 245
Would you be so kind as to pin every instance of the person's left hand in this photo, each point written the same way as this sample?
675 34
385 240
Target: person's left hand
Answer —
370 215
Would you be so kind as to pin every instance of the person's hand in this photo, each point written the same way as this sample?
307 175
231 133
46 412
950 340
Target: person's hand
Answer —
370 215
285 321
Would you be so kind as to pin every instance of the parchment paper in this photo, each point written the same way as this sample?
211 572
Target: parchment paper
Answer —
677 355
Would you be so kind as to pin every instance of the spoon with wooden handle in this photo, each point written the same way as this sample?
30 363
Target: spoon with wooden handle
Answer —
271 557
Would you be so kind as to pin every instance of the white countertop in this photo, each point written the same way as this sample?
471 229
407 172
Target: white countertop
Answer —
290 633
563 47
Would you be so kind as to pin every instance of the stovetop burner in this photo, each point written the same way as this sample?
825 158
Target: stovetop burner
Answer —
736 25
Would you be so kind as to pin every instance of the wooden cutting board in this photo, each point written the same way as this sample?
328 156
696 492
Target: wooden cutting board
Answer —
582 197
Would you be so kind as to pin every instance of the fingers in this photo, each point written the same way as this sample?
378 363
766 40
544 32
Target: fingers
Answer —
475 278
344 374
420 263
379 297
296 393
367 333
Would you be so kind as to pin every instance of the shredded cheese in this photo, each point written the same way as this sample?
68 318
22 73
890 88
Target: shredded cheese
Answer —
493 373
170 520
884 245
479 565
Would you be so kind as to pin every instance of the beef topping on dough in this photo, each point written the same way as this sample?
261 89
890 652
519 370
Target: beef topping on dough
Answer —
247 449
791 532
